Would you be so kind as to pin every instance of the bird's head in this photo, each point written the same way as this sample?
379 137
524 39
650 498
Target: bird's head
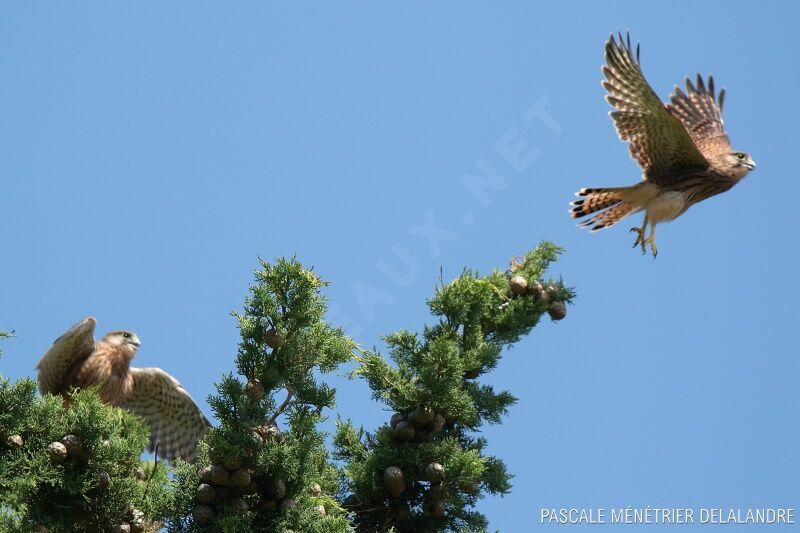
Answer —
739 163
127 340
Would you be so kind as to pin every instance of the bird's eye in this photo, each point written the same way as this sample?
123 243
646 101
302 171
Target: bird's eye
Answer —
740 155
126 335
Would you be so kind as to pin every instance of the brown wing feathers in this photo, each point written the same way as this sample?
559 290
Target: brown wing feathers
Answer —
700 111
658 140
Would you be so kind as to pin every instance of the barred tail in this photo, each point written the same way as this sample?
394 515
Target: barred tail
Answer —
607 203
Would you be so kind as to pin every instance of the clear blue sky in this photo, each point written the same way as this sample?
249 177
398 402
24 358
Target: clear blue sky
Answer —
150 153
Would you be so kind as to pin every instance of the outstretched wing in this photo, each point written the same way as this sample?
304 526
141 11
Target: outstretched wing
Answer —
72 347
659 142
700 111
176 422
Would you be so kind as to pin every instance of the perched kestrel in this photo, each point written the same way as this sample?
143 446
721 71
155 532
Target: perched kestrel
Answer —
681 147
76 360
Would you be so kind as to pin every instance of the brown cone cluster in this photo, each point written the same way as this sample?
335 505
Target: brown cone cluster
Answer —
230 482
521 287
134 522
224 483
70 447
434 474
421 424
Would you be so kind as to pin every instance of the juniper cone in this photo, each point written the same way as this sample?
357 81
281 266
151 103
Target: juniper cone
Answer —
73 445
557 310
57 452
274 338
434 472
420 416
535 289
397 417
276 489
240 478
103 480
205 493
203 514
403 431
255 389
394 480
205 474
518 284
220 475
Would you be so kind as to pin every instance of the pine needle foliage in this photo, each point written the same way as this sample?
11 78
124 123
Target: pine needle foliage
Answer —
285 345
91 490
426 469
265 467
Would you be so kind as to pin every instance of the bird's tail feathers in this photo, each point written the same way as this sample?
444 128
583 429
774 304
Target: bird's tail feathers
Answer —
608 204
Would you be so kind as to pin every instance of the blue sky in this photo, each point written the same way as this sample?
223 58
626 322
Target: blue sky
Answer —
150 153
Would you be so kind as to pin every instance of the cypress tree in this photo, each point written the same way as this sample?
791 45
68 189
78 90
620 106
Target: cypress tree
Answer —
75 466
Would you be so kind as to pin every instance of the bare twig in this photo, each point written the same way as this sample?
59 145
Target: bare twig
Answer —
282 407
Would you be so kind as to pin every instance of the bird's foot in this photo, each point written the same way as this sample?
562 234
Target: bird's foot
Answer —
642 242
639 237
653 248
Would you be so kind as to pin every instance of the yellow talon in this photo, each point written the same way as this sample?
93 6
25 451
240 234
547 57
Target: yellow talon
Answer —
643 242
639 237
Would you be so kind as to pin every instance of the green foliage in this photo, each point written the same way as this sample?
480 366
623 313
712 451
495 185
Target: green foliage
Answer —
435 374
285 344
5 335
86 491
252 476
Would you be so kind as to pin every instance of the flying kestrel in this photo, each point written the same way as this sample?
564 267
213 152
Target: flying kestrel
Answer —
681 147
77 360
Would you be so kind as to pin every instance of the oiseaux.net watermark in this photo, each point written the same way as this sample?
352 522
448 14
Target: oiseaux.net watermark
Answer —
668 515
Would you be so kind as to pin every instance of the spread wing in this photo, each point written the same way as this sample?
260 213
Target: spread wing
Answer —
73 346
659 142
700 111
176 422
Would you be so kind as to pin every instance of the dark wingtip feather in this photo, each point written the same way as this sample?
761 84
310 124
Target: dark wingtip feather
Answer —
721 98
701 86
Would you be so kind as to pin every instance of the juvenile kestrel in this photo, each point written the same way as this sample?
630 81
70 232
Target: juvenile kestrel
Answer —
681 147
76 360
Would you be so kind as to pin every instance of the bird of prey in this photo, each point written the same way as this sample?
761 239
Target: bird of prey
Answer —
77 360
682 148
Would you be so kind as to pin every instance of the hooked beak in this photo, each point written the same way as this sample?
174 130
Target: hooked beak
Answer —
750 165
